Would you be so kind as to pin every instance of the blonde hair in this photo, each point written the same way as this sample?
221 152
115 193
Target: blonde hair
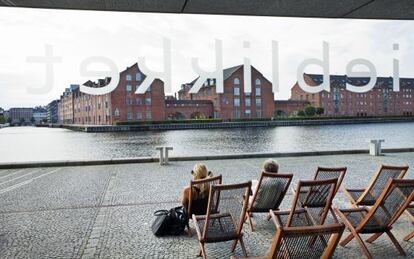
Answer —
200 172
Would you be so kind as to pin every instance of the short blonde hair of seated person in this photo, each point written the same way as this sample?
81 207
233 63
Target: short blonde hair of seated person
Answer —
270 166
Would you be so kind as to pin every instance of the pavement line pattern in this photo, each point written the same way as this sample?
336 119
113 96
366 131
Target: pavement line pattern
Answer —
14 179
18 171
27 181
91 249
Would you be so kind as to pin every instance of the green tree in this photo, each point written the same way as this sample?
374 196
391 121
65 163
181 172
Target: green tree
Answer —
9 120
32 120
2 119
301 113
310 110
320 110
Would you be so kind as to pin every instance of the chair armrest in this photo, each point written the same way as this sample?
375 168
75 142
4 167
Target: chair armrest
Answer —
352 210
354 190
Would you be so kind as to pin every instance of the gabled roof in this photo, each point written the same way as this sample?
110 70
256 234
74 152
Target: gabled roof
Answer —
340 80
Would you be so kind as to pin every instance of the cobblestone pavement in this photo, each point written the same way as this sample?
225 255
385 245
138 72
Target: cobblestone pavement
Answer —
106 211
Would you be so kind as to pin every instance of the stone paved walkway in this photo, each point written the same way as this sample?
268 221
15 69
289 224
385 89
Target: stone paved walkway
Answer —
106 211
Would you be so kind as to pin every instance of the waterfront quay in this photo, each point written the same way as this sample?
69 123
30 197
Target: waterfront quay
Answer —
105 211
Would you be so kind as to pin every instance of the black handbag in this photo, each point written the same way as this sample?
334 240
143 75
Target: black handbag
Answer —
172 222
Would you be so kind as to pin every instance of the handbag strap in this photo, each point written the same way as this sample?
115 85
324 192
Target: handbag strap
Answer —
161 212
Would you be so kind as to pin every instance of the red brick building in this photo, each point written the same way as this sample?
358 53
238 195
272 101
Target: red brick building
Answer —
234 102
289 107
189 109
380 101
122 104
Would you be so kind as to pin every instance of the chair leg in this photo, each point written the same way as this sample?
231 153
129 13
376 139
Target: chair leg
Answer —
395 242
347 240
373 237
202 251
190 234
243 247
409 236
268 216
233 245
250 221
363 246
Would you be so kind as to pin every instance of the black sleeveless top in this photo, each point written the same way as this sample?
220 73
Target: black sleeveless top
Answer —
199 206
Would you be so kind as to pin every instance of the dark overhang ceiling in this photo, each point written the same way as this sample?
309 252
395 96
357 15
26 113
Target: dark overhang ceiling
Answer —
362 9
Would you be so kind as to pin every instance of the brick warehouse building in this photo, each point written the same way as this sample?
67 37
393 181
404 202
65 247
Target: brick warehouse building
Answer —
289 107
380 101
234 103
123 104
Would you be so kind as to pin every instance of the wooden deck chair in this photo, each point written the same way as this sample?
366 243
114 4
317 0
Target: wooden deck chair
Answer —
379 218
297 242
369 195
319 196
225 216
199 206
410 214
323 173
270 191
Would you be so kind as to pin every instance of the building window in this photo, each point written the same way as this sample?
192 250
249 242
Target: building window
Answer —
258 113
138 76
237 114
129 88
236 90
248 113
129 116
258 102
236 81
258 85
129 101
128 77
139 116
117 113
248 102
148 101
139 101
237 102
148 115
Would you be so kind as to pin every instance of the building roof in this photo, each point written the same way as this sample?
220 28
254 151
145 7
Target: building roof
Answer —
357 9
227 73
340 80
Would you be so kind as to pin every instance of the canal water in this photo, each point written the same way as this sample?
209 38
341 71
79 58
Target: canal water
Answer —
19 144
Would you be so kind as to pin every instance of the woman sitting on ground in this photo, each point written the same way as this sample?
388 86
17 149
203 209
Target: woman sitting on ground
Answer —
200 192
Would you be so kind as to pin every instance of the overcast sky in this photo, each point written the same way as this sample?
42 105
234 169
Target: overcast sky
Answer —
123 37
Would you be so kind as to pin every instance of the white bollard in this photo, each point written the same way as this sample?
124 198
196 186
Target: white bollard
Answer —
166 154
161 149
375 147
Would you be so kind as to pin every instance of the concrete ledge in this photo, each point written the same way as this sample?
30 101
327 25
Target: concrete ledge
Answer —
19 165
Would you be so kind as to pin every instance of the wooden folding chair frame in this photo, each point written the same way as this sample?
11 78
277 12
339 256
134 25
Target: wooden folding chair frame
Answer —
282 232
270 175
370 214
216 216
366 191
332 169
411 218
295 212
193 183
